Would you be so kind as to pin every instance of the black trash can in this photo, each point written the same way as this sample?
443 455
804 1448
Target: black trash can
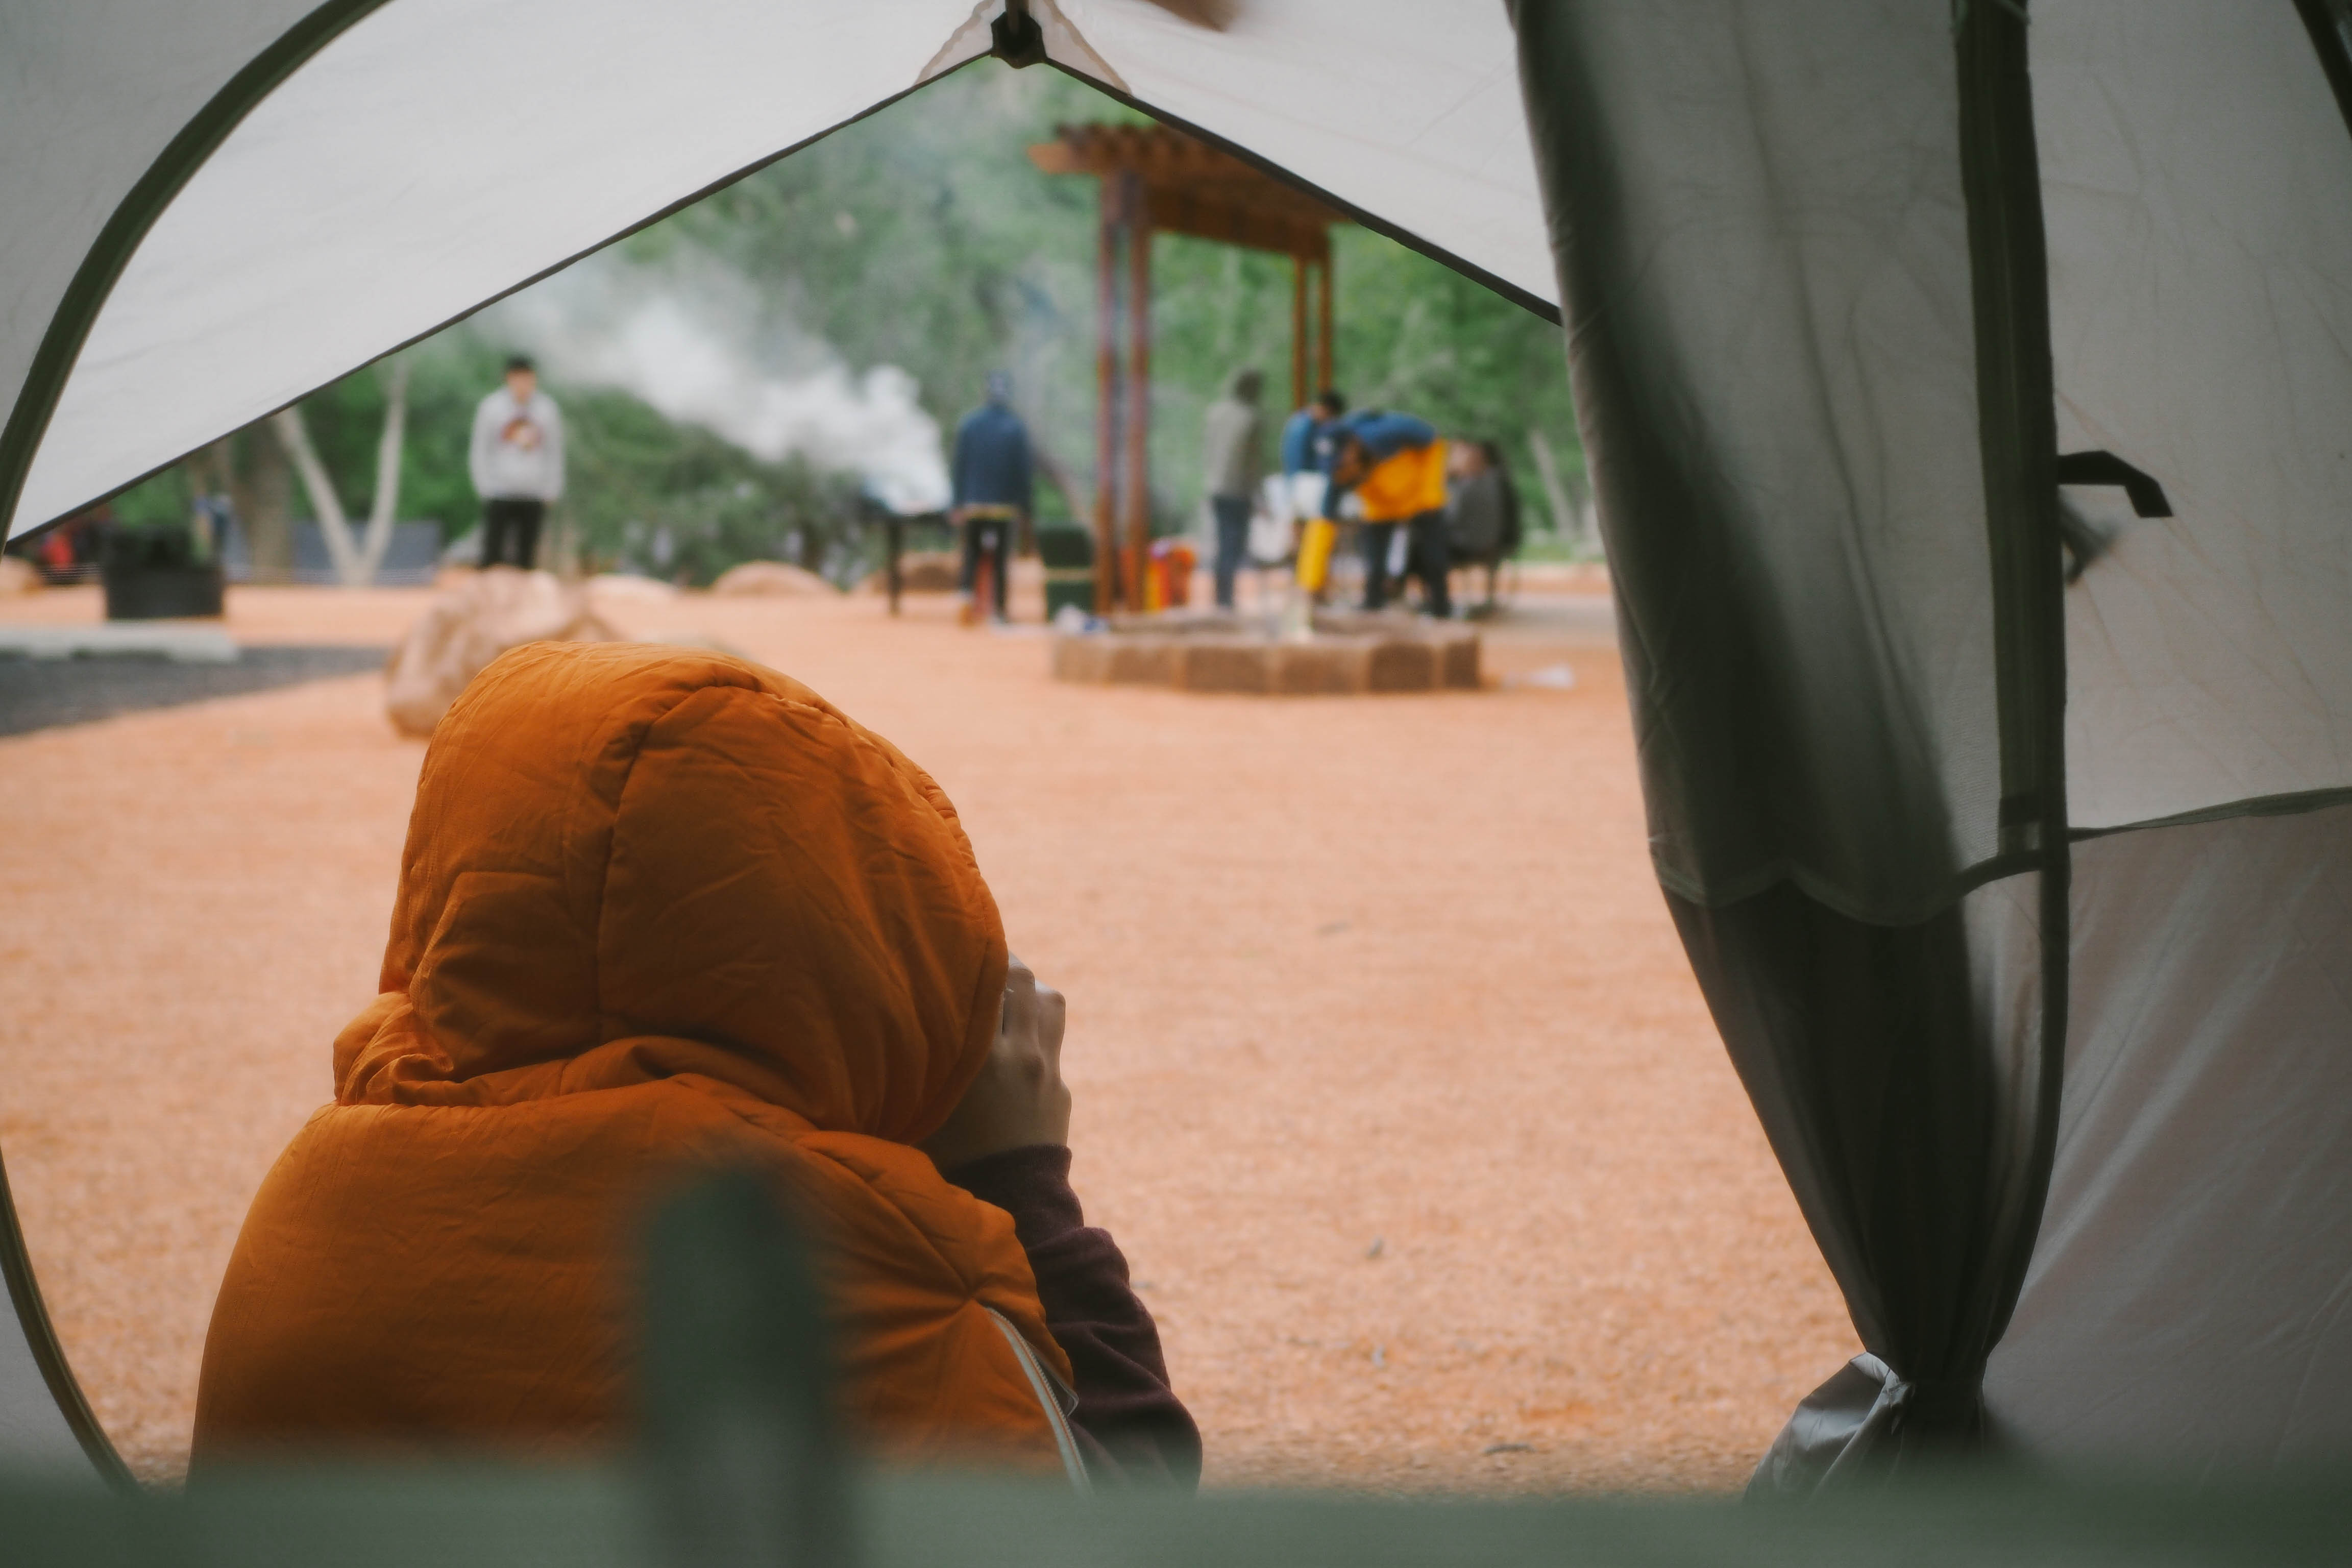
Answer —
1068 554
158 574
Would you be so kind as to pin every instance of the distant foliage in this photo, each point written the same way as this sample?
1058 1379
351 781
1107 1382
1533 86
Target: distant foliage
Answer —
922 237
679 503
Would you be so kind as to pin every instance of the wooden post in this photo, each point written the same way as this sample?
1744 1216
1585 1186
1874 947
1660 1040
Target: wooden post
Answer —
1136 486
1323 326
1106 399
1299 391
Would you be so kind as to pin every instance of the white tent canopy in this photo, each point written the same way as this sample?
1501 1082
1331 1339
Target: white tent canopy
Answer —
433 154
2023 899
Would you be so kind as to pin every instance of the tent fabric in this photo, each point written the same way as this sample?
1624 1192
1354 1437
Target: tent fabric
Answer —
435 154
1896 1069
46 1425
1814 409
2184 1303
92 92
1805 310
2196 172
1842 279
1773 360
2187 1304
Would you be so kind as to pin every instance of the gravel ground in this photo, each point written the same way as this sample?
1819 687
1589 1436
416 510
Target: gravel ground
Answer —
1390 1076
40 693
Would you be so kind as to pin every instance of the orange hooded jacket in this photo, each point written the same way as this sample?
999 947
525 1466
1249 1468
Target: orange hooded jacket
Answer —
656 908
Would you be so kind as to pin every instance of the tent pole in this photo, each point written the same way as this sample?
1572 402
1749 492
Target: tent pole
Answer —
2018 436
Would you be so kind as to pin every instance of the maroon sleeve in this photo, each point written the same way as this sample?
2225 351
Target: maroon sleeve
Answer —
1129 1420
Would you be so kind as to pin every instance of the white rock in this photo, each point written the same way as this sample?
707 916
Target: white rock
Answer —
773 579
472 622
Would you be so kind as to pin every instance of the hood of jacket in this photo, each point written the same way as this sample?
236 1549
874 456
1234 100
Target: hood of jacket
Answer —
657 909
670 856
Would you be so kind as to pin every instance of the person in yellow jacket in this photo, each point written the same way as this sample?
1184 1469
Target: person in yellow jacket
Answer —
1395 465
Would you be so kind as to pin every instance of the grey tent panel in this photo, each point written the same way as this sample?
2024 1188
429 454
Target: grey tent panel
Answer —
2190 1297
98 103
1826 615
2197 179
33 1430
1896 1069
91 92
1765 263
46 1425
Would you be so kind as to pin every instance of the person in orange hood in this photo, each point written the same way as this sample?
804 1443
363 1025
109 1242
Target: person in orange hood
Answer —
660 907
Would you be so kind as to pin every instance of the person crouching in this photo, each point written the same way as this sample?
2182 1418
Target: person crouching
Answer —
660 909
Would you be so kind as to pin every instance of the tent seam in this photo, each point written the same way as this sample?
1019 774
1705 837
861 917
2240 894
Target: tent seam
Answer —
2017 434
28 421
128 226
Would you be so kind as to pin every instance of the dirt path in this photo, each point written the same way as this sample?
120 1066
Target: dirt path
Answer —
1390 1073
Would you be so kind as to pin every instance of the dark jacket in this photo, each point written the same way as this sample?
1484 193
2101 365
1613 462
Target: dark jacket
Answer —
1129 1424
1482 517
992 464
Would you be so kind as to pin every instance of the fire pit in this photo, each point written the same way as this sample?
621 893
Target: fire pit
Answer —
1346 652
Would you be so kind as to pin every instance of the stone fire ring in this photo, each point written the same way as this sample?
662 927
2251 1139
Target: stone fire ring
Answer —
1349 653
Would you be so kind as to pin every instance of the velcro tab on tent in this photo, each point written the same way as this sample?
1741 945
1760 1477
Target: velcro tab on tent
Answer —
2147 497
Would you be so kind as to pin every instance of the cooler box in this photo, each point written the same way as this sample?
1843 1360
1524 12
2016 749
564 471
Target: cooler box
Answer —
1068 554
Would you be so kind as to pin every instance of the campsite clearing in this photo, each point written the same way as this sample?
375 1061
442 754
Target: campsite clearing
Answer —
1390 1076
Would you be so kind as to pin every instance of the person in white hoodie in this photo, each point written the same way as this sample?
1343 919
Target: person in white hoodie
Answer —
516 460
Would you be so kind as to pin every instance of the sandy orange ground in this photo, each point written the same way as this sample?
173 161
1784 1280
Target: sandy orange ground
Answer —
1390 1076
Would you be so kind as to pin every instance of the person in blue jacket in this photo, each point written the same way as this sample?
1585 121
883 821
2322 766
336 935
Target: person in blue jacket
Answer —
992 489
1306 450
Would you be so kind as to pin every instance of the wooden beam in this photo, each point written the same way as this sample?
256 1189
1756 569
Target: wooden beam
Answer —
1323 328
1231 218
1299 392
1137 480
1193 188
1106 399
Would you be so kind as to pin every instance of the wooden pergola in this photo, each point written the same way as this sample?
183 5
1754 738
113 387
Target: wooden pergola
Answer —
1154 179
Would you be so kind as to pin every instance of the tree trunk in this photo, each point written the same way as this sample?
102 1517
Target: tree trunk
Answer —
356 561
261 488
384 508
319 486
1564 520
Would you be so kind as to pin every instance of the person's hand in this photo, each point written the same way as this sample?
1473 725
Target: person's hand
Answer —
1019 1098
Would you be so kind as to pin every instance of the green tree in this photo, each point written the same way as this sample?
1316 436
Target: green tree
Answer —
922 237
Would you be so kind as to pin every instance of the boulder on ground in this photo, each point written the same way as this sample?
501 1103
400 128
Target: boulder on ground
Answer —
622 588
469 623
919 572
773 579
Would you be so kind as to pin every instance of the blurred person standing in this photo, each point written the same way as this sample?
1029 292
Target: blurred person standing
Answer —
1306 453
516 458
1482 510
1233 443
991 489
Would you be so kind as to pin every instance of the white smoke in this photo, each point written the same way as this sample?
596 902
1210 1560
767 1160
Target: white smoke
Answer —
691 337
